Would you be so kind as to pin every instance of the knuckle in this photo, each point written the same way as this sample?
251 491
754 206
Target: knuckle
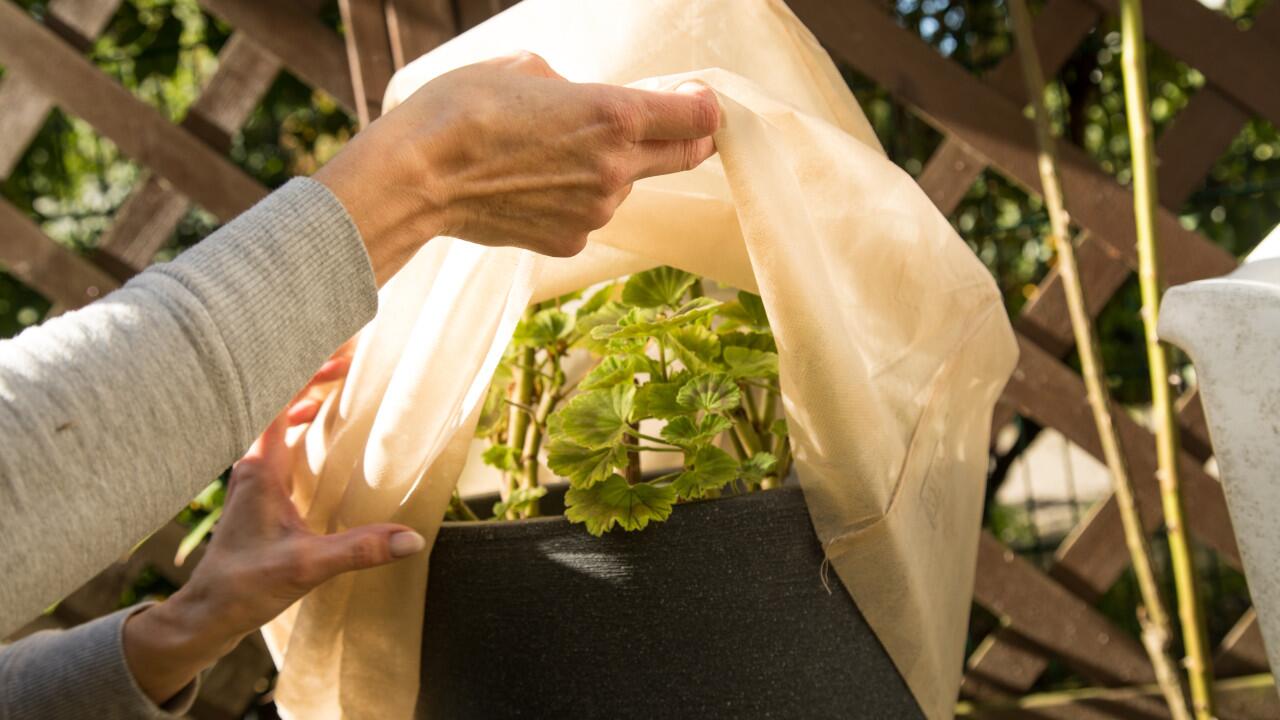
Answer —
619 117
368 551
706 114
611 176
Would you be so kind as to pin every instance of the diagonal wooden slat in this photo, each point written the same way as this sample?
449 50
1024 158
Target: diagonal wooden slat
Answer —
1242 63
147 219
139 130
307 48
23 106
1198 136
1052 617
1088 562
50 269
954 166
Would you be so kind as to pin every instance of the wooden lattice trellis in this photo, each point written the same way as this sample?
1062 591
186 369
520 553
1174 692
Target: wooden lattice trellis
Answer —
1044 614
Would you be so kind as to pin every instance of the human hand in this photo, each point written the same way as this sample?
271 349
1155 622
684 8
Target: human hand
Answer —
261 560
507 152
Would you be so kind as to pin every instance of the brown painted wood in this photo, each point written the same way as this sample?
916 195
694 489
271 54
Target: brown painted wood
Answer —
1049 615
1241 63
417 27
23 105
474 12
1092 558
1246 698
139 130
369 58
146 220
1058 28
864 35
307 48
50 269
1242 651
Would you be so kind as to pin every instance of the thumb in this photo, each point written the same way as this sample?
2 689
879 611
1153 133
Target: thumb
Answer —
360 548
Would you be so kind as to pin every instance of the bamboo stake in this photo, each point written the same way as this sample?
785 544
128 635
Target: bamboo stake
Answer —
1194 637
1152 616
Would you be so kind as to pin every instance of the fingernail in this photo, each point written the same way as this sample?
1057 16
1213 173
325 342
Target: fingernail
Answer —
406 543
691 88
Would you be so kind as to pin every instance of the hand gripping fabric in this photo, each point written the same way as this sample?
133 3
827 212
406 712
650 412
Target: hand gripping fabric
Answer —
892 338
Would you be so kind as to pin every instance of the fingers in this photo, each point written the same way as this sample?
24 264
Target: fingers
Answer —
360 548
660 157
690 112
303 411
528 63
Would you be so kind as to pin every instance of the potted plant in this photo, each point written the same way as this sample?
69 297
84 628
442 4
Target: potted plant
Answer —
557 605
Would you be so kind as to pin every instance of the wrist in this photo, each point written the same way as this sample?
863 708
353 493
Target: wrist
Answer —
168 644
391 193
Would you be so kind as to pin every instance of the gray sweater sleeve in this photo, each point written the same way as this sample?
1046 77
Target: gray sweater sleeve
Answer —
114 416
79 673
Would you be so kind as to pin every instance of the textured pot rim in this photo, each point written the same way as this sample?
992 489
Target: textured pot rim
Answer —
455 526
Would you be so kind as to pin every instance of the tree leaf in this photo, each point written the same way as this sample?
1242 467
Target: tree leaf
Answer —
687 433
755 468
598 418
519 500
696 346
502 457
658 400
712 392
614 502
745 362
543 329
710 469
584 467
657 287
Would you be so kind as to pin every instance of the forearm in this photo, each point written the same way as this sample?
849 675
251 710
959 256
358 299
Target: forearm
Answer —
114 416
82 673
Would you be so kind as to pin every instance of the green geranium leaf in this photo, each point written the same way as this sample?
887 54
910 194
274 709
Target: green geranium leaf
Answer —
520 499
614 502
696 346
658 400
614 370
762 341
598 418
502 457
713 392
657 287
544 328
745 362
779 428
710 469
596 301
757 467
747 312
685 432
494 412
584 467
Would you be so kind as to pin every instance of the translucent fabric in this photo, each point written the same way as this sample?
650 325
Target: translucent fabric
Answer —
892 338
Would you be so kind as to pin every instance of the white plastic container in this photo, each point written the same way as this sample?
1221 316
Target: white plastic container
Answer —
1230 326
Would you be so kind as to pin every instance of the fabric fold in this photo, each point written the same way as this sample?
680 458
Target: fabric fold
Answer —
892 339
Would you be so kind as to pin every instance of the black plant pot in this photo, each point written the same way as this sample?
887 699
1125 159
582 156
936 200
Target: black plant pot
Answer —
720 612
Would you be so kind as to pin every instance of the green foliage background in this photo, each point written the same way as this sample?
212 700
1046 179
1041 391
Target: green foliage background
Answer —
71 181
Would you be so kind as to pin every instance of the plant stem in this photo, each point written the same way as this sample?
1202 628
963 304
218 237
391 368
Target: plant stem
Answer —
519 417
662 358
461 509
533 437
1194 637
1152 616
633 432
766 421
746 432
